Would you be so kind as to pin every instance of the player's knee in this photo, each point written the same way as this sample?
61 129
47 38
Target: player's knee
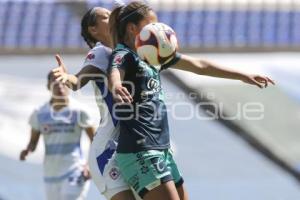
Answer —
124 195
183 194
166 191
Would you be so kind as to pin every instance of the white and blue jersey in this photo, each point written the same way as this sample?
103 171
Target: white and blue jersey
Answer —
99 57
108 127
61 131
103 167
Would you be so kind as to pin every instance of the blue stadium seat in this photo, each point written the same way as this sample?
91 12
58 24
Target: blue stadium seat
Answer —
295 28
180 26
26 36
44 24
239 27
254 28
166 17
224 28
74 39
209 30
283 27
3 9
194 31
269 28
59 26
13 18
102 3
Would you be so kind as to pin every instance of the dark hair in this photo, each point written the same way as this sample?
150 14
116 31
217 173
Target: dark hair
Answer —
89 19
134 12
50 76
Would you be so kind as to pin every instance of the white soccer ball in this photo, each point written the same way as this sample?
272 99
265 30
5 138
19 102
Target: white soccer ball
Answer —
156 44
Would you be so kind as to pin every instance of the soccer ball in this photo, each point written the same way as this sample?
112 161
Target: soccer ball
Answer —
156 44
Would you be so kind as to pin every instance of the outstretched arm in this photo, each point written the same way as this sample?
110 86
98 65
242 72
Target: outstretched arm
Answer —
203 67
77 81
34 138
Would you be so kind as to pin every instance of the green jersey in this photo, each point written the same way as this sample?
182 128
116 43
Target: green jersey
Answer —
144 123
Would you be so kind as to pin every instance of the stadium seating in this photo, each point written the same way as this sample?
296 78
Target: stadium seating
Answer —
48 24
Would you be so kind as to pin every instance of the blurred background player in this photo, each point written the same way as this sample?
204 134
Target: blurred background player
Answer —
105 173
61 121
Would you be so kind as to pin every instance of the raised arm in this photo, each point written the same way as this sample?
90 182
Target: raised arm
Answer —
203 67
77 81
34 138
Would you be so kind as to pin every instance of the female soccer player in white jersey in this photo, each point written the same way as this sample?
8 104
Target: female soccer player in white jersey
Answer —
61 121
105 173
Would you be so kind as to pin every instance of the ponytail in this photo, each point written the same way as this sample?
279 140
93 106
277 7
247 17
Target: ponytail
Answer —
134 12
114 24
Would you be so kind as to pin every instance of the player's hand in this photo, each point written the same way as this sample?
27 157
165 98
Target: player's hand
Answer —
121 95
60 73
258 80
86 173
24 154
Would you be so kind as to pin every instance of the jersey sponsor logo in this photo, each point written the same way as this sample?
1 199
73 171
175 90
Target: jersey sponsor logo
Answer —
58 128
153 84
90 56
159 165
114 173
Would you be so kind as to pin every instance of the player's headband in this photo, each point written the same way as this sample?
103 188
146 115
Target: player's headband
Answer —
131 13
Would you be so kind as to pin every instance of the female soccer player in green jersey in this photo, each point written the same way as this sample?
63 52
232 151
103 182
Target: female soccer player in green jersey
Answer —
103 167
143 152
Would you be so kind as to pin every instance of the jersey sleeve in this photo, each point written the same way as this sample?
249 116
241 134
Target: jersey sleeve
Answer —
172 62
33 121
120 60
98 57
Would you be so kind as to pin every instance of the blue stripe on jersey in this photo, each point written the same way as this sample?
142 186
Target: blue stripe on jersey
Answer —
66 148
108 100
59 178
103 158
